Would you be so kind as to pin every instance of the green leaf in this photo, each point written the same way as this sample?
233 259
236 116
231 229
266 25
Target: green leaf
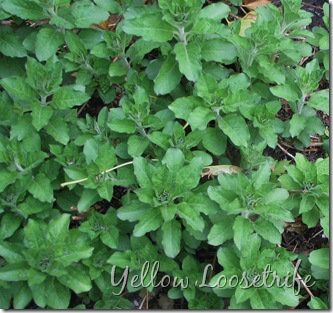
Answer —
57 229
221 232
40 115
289 183
22 129
267 230
105 189
273 72
188 57
41 188
110 237
168 212
311 218
121 259
75 45
118 69
58 129
66 98
137 145
63 19
14 272
11 252
261 176
228 258
58 296
242 294
9 224
276 212
122 126
297 124
242 228
77 252
174 159
214 140
48 41
7 178
34 236
90 150
150 26
171 238
199 118
317 304
235 127
188 176
262 299
22 297
150 221
141 171
25 9
168 77
45 79
182 107
215 11
10 45
111 6
218 50
276 196
133 211
320 101
86 14
88 198
106 157
38 293
320 258
77 280
307 203
206 85
286 92
284 296
19 89
191 216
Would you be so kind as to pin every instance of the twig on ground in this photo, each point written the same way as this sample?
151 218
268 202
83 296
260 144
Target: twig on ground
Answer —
285 151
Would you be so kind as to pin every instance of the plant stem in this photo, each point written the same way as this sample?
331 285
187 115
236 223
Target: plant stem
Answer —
86 178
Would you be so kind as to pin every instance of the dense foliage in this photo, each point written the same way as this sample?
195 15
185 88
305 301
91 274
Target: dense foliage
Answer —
191 102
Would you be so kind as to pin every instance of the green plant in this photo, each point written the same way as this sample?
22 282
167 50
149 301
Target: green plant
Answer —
135 133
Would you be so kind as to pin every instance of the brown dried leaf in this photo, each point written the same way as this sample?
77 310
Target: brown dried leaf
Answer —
252 5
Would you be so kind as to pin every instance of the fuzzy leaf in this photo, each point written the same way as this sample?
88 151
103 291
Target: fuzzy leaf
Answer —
11 45
66 98
86 14
150 27
24 9
235 127
58 129
171 238
191 216
215 11
242 228
48 41
40 115
188 57
18 88
150 221
77 280
41 188
286 92
218 50
168 77
221 232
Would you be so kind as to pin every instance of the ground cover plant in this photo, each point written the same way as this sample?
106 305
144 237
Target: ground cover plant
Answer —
182 141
